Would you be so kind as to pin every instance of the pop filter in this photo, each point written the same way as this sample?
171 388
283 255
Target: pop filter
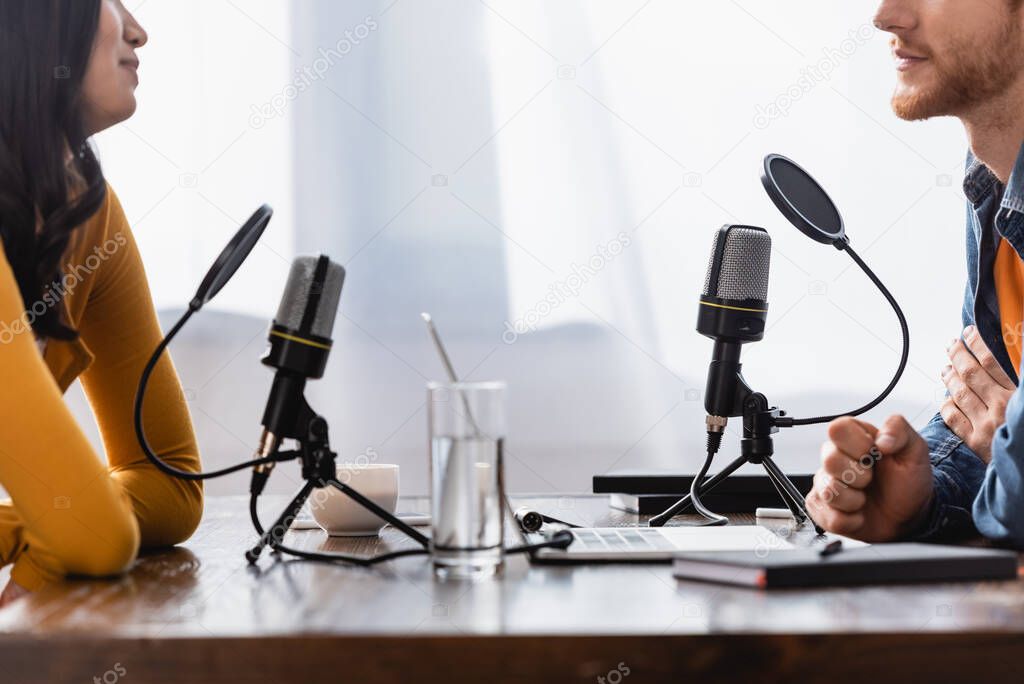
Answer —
802 201
806 205
232 256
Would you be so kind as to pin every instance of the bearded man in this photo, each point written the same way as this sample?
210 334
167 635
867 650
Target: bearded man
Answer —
965 470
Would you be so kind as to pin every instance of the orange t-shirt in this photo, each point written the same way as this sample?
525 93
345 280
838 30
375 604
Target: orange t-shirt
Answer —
1009 277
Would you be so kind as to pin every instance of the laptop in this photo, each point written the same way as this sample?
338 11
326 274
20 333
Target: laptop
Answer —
654 544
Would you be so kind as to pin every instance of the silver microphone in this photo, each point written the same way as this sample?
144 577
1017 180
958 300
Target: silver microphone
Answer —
739 264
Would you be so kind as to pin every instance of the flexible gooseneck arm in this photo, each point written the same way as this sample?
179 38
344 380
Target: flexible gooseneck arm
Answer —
844 245
140 431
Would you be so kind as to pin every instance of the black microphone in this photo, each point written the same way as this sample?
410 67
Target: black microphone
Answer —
733 310
300 342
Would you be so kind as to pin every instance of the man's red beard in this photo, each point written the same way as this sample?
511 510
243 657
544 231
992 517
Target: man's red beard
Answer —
966 75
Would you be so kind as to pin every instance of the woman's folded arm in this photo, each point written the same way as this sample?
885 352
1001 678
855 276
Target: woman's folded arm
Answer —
120 327
75 517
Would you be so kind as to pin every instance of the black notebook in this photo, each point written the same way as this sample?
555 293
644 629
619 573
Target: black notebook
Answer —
666 482
875 564
652 492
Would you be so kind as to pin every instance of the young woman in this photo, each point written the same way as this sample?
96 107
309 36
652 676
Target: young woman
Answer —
74 301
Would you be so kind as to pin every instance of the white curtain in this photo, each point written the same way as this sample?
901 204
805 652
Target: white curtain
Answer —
475 158
545 179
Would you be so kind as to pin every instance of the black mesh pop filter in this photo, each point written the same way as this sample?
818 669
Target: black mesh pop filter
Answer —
806 205
802 201
232 256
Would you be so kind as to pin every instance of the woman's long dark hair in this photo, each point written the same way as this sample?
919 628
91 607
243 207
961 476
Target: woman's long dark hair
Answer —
45 46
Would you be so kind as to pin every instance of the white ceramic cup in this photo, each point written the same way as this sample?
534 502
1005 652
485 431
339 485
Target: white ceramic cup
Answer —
340 516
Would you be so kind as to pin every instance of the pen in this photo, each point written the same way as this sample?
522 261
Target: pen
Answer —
832 548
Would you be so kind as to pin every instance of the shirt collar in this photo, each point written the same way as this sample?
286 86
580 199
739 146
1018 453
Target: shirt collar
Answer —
979 183
978 180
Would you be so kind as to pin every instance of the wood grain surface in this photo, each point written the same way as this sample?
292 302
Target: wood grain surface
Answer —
200 613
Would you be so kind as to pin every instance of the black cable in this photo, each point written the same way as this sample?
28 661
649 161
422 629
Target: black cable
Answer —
340 557
254 514
785 421
310 555
713 519
140 433
693 499
561 539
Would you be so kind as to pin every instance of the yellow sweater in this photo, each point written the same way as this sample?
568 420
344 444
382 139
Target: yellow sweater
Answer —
70 513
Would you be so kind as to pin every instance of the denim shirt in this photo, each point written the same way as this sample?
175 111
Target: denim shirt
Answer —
969 495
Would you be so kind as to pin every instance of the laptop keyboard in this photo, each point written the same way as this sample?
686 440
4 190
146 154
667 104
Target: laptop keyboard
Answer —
625 539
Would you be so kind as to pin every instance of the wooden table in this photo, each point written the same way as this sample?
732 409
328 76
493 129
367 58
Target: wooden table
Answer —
199 613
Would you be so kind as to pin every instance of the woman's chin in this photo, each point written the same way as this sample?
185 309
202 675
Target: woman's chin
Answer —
102 118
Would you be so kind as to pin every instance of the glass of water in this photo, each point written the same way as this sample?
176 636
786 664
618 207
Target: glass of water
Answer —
467 487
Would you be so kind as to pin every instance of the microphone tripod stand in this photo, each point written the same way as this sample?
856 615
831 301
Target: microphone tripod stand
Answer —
319 470
760 422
